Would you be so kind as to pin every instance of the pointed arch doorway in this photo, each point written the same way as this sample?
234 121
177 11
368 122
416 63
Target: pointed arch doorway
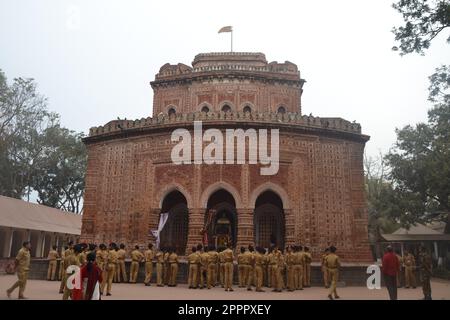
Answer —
175 231
269 220
222 227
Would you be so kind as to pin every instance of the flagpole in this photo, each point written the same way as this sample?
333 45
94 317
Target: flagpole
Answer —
231 40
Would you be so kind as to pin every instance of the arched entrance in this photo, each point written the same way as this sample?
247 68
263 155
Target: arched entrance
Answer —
175 231
269 220
221 225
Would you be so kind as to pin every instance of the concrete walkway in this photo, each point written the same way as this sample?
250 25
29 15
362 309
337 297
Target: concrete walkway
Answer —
46 290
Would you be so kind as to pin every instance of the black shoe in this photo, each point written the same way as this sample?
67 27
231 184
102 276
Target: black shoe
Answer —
336 297
330 297
108 294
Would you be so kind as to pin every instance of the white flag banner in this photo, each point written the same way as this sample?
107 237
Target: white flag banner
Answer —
162 222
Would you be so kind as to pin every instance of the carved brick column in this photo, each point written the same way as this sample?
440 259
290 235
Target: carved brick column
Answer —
289 227
196 222
153 221
245 228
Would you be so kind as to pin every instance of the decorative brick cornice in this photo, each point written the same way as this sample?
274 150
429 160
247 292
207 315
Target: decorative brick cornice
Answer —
287 121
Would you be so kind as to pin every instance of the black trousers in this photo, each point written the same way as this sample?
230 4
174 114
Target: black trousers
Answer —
391 285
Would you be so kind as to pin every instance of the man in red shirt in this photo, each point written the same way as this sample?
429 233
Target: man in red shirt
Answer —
390 267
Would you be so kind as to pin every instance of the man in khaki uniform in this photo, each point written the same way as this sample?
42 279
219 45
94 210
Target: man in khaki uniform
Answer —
173 267
332 263
213 258
116 278
250 268
272 269
299 261
290 259
204 261
221 267
426 270
400 269
22 267
324 268
148 256
166 276
241 267
281 266
121 270
71 259
68 252
110 268
193 261
61 263
307 268
410 264
228 258
269 260
136 258
52 263
101 260
159 268
259 259
83 254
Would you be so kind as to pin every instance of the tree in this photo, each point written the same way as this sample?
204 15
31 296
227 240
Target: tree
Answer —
379 193
424 20
36 154
60 181
23 117
420 168
420 160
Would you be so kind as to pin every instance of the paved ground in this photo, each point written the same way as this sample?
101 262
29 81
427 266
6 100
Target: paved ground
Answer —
46 290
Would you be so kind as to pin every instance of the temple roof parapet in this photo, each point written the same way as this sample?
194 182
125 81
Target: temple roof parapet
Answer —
234 118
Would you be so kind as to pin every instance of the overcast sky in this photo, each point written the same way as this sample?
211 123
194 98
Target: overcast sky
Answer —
94 59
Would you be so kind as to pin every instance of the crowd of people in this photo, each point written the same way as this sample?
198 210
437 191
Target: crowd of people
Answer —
393 265
207 267
99 267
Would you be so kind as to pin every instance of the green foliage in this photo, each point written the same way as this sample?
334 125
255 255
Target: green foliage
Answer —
420 168
379 194
35 152
439 85
60 179
424 20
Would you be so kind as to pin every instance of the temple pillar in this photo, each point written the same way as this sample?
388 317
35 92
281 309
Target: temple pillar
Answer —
289 225
196 223
245 228
152 221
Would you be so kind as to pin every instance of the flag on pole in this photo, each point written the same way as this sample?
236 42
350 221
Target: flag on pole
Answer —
226 29
162 221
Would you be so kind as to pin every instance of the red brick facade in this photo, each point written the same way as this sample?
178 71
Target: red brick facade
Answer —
318 189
